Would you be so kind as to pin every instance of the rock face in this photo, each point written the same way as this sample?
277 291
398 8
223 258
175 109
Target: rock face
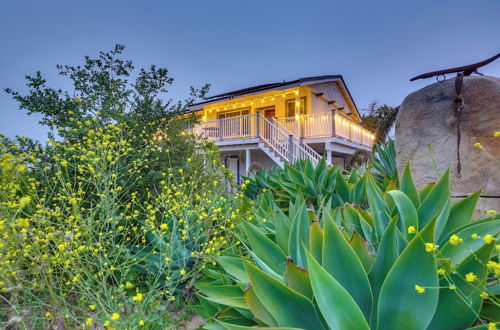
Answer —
426 136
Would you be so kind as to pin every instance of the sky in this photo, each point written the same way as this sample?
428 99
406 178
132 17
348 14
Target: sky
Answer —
376 45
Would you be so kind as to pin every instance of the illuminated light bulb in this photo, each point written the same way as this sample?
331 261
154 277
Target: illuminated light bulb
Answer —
297 103
262 101
296 92
272 98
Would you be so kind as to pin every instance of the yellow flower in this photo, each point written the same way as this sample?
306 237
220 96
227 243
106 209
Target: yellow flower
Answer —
88 122
92 307
492 326
141 323
470 277
478 145
484 295
452 287
138 297
441 271
419 289
491 211
106 324
496 134
88 321
115 316
78 100
23 201
48 314
488 238
429 247
163 226
182 272
172 298
412 230
474 236
128 285
455 240
189 160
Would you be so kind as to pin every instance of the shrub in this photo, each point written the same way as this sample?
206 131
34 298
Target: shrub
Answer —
403 260
94 232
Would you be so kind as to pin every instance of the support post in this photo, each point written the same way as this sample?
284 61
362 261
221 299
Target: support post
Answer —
247 160
328 156
220 129
257 125
290 148
333 122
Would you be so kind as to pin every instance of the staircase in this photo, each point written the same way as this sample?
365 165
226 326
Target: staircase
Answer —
275 140
281 145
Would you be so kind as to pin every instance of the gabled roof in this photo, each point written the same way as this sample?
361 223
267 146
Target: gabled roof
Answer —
279 85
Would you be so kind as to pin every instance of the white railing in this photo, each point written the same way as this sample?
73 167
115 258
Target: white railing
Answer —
289 123
280 135
302 151
241 127
322 125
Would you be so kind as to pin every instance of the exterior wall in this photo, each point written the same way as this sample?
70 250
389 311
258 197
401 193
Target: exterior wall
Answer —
231 158
332 92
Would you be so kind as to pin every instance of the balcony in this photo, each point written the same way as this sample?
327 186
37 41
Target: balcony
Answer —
312 126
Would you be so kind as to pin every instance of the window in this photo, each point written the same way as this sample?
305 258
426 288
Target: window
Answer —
290 106
233 113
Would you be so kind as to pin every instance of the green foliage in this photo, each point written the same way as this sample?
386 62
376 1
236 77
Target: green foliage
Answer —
379 264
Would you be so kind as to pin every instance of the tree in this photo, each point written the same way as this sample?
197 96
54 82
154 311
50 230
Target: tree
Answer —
379 119
102 92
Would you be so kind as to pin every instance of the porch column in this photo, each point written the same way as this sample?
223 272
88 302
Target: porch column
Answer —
328 155
247 160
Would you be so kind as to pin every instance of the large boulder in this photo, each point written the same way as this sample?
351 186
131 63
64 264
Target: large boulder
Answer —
426 135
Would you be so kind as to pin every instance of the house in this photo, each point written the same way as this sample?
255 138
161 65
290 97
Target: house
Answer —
272 124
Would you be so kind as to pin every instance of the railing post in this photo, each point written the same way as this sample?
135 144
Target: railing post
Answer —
220 129
257 125
333 122
290 148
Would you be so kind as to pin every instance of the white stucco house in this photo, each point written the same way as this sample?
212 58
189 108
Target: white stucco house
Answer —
267 125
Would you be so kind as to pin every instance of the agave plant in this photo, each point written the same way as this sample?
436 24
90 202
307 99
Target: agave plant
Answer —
409 260
316 184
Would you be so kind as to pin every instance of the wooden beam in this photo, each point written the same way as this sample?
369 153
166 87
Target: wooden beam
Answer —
331 102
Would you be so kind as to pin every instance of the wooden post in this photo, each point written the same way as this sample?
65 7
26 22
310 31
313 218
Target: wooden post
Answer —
257 124
220 129
333 122
290 148
247 160
328 156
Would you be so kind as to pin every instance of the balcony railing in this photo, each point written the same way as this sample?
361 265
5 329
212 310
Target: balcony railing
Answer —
327 125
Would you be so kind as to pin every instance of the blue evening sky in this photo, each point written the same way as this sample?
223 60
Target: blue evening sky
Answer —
376 45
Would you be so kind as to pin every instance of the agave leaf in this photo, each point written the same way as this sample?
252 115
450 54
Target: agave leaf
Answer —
425 191
229 295
490 312
336 305
282 227
265 267
378 207
298 279
344 265
442 218
435 200
407 185
316 241
461 213
299 233
342 188
265 248
407 211
457 253
257 308
230 326
288 308
234 267
400 305
387 254
351 217
360 247
465 301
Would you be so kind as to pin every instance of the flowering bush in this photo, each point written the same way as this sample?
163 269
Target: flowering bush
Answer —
95 231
